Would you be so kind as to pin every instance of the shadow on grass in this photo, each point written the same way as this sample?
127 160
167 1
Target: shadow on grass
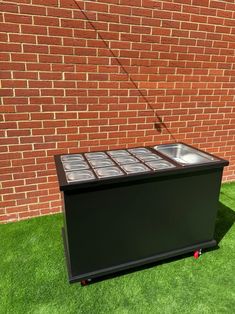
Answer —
225 220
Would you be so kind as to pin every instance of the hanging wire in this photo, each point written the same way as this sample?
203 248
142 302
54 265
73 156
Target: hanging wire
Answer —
159 123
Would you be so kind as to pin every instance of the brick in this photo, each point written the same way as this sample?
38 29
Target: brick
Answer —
16 116
15 100
47 21
63 67
32 10
222 29
40 84
38 67
8 7
130 20
131 2
31 154
75 60
68 4
29 214
52 92
50 76
71 23
35 49
3 37
141 12
25 75
108 36
50 59
75 92
6 92
97 25
12 66
218 5
26 92
17 209
151 24
4 57
59 12
22 56
20 1
18 18
160 14
11 170
10 47
189 26
5 108
85 51
47 107
117 9
73 42
181 16
136 37
58 31
204 3
85 34
108 17
61 50
87 68
98 77
97 7
53 3
9 27
215 20
31 29
9 217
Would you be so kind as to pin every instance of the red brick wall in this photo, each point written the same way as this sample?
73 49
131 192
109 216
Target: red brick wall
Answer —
112 73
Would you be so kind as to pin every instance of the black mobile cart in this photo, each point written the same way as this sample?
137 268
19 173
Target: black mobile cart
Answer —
126 208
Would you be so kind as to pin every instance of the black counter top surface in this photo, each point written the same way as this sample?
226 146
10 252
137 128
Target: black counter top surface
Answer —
126 178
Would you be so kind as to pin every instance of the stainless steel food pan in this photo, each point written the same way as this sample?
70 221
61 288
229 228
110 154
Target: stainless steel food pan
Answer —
108 172
97 163
96 155
118 153
125 160
135 168
74 157
76 176
73 165
184 154
159 164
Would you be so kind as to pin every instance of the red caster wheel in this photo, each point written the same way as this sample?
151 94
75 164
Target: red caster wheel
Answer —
197 254
85 282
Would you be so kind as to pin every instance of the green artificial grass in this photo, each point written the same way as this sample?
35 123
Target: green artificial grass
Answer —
33 276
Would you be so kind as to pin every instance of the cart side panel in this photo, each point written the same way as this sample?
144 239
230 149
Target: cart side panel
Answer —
121 223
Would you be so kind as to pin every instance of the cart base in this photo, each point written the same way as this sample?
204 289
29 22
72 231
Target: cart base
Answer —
140 262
